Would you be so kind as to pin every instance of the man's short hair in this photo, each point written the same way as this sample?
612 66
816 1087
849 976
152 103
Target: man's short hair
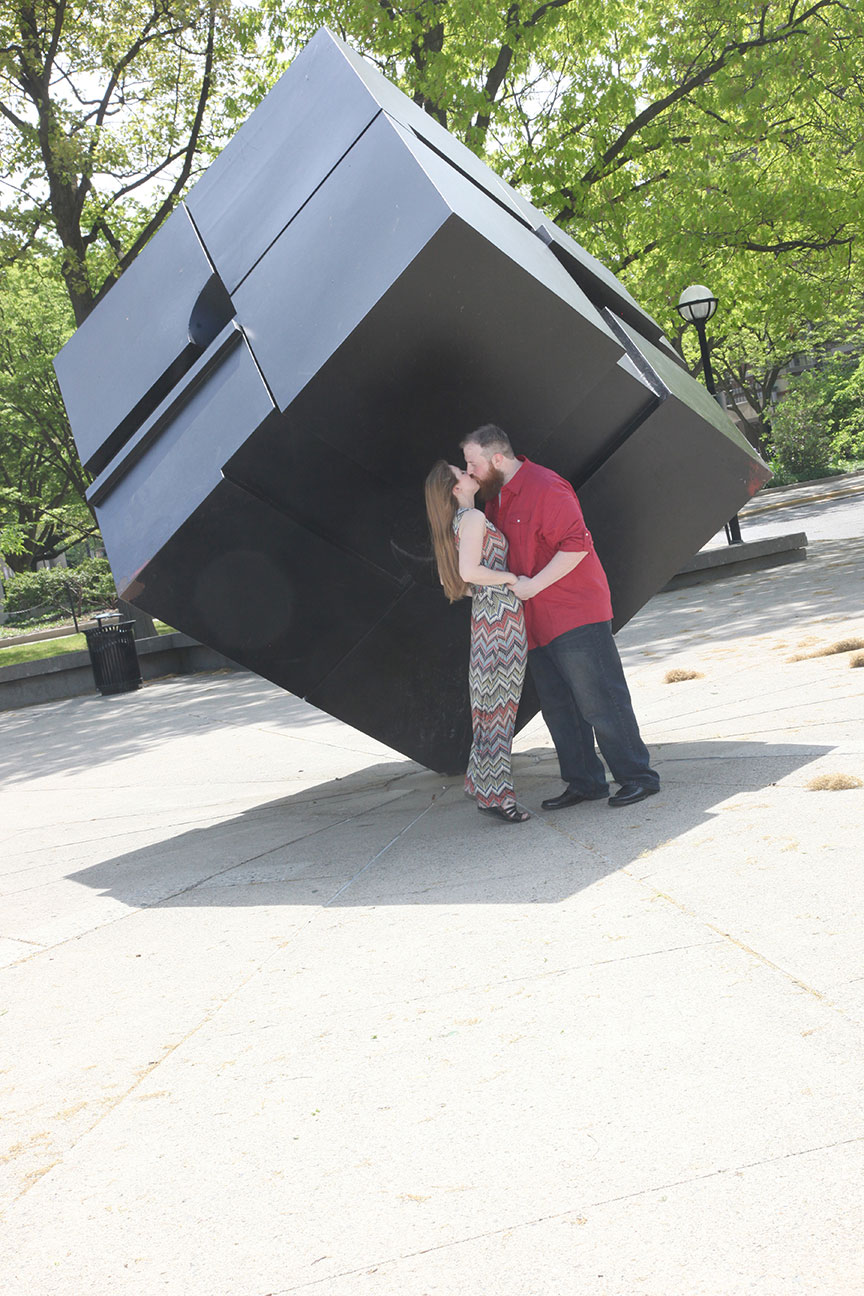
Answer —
490 438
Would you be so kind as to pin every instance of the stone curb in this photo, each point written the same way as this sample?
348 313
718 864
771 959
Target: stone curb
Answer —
71 675
804 492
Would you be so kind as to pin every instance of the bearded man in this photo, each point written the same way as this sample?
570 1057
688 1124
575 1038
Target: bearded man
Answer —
572 655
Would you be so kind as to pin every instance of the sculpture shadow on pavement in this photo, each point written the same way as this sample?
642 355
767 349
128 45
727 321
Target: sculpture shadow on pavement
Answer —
393 835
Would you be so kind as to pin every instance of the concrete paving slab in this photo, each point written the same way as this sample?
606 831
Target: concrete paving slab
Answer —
49 913
792 1239
281 1012
96 735
377 1122
82 1024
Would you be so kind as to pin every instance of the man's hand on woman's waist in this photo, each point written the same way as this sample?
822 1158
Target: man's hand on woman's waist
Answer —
558 566
524 588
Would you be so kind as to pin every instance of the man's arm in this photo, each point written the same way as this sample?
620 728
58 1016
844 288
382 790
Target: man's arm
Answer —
557 567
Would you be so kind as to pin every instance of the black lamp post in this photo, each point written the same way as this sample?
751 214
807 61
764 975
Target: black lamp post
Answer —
696 305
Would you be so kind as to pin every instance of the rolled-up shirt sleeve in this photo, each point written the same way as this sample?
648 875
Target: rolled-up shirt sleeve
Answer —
540 515
563 526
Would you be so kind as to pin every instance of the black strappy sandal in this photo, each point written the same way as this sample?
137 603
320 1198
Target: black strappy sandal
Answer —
510 814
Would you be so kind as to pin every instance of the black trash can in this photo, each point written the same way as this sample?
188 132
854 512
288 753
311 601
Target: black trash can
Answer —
113 654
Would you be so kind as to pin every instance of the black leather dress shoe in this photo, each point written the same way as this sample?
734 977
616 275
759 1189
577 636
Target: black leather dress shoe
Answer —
567 798
630 793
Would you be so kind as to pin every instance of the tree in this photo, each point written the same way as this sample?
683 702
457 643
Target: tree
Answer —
42 483
751 361
105 115
677 142
801 442
706 139
105 111
758 364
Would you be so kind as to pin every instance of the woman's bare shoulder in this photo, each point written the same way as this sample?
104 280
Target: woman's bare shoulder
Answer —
472 517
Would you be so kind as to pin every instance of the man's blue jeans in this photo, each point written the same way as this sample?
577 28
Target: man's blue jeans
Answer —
583 694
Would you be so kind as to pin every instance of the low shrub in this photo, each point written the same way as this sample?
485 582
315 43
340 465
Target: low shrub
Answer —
801 440
848 440
48 590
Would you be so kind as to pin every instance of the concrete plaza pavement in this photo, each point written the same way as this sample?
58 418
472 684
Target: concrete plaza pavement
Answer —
280 1012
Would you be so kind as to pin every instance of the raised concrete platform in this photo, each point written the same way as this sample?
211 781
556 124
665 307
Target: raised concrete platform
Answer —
71 675
738 559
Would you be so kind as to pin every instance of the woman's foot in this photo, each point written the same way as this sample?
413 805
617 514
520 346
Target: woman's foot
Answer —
509 812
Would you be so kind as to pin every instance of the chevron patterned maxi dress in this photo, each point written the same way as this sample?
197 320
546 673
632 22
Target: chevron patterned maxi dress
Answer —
496 673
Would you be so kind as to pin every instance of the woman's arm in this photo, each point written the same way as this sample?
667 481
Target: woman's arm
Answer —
472 528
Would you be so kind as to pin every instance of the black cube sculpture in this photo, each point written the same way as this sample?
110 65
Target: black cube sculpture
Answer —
341 298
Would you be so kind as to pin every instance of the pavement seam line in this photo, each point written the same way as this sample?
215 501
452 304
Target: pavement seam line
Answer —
134 832
306 837
762 696
728 938
724 936
746 715
529 977
742 735
252 859
575 1210
143 907
317 742
255 809
293 841
217 1008
383 851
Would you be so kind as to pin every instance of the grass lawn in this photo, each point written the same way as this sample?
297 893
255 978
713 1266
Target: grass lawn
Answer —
15 654
18 653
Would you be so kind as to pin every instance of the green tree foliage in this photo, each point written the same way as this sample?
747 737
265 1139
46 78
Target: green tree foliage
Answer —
847 412
800 434
42 483
104 110
105 115
698 141
819 424
751 360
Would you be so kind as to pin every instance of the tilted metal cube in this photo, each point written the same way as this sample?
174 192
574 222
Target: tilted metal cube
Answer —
341 298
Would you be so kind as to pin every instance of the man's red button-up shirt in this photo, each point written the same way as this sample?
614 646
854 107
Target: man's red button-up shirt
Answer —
540 515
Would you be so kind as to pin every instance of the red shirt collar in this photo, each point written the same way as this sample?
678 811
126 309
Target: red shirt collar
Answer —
515 483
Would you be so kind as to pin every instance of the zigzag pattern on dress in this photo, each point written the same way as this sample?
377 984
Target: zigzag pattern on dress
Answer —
496 674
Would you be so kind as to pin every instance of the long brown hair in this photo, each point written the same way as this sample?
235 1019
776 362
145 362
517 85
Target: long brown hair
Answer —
441 506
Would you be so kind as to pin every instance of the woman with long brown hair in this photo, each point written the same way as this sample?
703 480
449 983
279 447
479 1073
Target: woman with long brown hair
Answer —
472 562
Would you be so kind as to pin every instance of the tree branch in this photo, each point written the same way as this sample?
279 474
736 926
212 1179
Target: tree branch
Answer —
169 202
501 66
635 256
792 27
795 245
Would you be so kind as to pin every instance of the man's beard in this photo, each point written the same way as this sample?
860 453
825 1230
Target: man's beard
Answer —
492 485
